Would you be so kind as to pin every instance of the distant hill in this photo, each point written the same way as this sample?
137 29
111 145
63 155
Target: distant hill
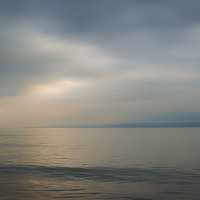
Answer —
127 125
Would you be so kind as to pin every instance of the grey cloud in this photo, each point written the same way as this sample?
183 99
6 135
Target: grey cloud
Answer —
31 57
121 35
139 31
105 17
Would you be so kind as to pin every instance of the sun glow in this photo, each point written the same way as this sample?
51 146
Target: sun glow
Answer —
55 89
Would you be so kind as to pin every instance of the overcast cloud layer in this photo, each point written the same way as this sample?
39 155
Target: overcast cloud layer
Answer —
99 61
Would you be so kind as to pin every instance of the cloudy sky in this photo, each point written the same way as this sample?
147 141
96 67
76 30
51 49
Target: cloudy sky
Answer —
99 61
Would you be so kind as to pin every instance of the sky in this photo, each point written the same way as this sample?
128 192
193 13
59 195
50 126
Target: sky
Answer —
99 61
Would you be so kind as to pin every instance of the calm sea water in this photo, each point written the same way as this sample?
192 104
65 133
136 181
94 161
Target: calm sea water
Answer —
138 164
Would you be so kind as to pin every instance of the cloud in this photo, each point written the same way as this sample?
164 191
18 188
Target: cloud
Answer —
122 59
33 57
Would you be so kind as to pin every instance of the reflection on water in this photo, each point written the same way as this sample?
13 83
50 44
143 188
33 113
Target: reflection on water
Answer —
99 164
22 182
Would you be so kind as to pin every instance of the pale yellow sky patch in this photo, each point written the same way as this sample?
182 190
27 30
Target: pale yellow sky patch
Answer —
55 89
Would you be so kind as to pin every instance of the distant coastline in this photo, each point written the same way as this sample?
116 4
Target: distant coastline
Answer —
127 125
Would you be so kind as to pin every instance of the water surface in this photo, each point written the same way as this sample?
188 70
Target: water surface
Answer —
123 163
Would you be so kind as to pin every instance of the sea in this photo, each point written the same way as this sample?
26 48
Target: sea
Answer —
100 163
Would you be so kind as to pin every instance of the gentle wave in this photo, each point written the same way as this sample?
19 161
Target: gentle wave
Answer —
24 182
155 175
